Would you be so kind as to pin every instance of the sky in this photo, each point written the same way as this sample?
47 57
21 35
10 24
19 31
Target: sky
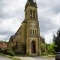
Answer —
12 14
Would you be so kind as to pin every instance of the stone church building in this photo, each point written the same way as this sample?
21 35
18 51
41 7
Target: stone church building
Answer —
27 38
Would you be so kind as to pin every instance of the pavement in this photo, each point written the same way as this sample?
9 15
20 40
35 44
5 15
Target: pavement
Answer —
35 58
27 58
4 58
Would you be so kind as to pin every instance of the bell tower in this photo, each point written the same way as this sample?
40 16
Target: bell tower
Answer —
31 10
32 28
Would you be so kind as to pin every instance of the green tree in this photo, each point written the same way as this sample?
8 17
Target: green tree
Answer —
50 48
56 40
43 47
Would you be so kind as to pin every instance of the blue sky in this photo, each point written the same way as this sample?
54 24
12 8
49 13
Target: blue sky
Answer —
12 14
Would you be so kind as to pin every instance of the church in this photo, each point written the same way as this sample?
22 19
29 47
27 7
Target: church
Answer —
27 39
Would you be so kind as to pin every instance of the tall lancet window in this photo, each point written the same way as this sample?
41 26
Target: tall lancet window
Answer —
34 14
30 13
16 44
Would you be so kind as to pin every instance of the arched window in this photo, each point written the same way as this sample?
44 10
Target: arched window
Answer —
16 43
30 31
33 31
34 14
30 13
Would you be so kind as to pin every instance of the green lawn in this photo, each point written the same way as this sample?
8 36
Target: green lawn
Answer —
12 57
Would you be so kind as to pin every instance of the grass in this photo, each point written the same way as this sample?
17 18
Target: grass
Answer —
48 56
2 54
11 57
51 55
15 58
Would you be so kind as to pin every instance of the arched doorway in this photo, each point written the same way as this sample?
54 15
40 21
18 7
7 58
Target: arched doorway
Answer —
33 45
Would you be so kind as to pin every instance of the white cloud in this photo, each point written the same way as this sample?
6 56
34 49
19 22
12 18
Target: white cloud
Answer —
8 27
49 16
49 35
12 14
56 19
10 24
4 37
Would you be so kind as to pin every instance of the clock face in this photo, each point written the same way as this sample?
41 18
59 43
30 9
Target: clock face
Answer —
33 24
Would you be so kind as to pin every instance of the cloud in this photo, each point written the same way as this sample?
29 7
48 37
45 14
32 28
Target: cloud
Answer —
49 17
12 14
8 9
11 17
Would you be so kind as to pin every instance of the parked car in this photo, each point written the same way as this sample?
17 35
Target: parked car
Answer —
57 57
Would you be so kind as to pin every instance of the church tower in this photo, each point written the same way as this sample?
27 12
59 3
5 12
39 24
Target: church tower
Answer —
27 38
33 31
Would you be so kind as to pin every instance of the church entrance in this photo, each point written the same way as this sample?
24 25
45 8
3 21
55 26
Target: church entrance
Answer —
33 47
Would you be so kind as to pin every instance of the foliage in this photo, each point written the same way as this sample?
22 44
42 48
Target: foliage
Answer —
50 48
43 48
11 53
44 53
56 40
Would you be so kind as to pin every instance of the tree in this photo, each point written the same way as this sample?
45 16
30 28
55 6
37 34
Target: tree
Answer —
56 40
50 48
43 47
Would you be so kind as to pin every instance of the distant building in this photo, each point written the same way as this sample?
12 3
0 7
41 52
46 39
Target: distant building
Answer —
27 38
3 45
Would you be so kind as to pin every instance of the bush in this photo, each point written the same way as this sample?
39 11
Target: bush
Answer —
45 53
11 53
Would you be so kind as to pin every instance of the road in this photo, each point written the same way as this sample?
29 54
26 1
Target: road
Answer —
4 58
35 58
27 58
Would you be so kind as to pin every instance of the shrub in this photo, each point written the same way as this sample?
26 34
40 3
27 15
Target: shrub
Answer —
11 53
45 53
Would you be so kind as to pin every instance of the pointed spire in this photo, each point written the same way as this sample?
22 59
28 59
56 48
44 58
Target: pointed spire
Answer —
32 0
31 3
